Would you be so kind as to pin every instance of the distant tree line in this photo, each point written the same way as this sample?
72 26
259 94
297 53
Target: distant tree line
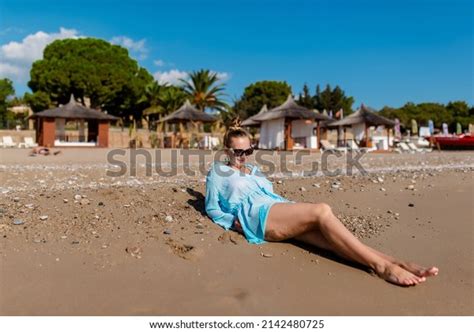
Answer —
451 113
112 81
7 93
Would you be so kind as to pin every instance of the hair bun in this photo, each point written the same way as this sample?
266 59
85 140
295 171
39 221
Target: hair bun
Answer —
236 123
235 130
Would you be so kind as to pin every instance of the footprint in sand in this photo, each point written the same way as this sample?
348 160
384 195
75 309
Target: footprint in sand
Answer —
235 300
240 294
230 237
184 251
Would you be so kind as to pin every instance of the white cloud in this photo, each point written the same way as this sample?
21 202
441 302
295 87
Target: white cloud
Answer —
32 46
16 57
171 77
223 76
9 70
137 47
159 63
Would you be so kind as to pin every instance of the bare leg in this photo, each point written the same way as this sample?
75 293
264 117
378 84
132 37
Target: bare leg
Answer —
289 220
316 238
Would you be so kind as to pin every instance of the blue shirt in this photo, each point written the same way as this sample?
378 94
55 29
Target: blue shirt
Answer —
232 194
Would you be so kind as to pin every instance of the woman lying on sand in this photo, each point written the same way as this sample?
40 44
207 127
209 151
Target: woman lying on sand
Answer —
239 197
42 150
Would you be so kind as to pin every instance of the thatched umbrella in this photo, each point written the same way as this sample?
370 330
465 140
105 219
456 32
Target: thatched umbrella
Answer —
187 114
367 116
250 122
290 110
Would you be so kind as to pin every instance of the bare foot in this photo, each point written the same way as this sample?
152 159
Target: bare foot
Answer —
399 276
418 270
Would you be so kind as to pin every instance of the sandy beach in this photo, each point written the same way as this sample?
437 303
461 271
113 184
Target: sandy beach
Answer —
76 241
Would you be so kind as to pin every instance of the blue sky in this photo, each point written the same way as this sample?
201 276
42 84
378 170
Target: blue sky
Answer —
380 52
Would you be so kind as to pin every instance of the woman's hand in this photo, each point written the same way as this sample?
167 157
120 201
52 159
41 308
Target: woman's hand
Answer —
237 226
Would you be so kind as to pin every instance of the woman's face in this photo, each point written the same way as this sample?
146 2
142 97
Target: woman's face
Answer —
238 143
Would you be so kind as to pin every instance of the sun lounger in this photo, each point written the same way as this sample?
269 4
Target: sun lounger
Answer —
404 148
354 147
329 147
209 142
28 143
413 147
8 142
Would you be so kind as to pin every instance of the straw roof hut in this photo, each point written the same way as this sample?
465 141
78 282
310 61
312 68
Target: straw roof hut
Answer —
188 113
74 110
364 117
289 110
282 125
250 122
50 124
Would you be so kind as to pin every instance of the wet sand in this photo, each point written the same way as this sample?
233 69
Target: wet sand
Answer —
74 241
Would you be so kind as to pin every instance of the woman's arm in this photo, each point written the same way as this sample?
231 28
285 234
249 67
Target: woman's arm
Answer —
213 208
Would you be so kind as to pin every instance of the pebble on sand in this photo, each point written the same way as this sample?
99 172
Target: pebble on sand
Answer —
43 217
18 222
168 218
84 201
134 251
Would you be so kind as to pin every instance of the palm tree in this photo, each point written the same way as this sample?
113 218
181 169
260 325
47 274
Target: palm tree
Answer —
172 98
203 90
152 97
162 99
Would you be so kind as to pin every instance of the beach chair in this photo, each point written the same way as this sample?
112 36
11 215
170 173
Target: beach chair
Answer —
215 142
8 142
329 147
28 143
404 148
209 142
413 147
354 147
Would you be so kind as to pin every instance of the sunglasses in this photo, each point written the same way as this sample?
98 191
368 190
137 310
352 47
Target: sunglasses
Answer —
241 152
